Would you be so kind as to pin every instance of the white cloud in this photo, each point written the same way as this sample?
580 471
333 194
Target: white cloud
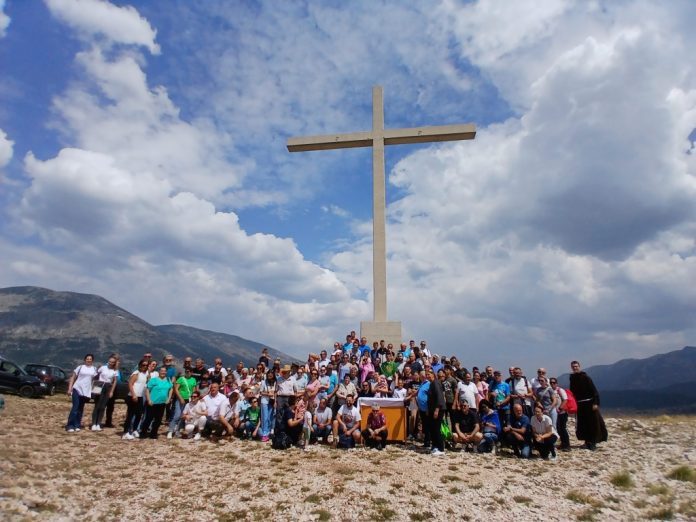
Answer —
569 227
4 19
6 149
120 25
565 229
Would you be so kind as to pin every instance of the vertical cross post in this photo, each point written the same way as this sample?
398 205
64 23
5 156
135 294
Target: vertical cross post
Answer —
379 233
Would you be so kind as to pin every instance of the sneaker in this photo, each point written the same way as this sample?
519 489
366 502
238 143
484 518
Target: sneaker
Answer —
96 427
71 430
170 435
264 438
330 439
136 435
553 457
77 429
127 436
437 453
197 436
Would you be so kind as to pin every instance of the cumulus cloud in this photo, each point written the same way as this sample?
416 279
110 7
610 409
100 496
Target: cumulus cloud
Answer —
568 226
6 149
130 212
565 229
4 19
98 18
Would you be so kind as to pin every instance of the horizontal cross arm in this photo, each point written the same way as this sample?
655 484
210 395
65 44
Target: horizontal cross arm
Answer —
330 141
430 134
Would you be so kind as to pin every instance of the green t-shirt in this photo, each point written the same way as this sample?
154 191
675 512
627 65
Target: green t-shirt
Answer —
253 414
389 368
186 386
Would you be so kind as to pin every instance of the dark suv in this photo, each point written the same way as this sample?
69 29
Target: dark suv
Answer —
14 379
55 377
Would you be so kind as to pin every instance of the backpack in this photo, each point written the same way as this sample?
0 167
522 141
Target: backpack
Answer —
571 403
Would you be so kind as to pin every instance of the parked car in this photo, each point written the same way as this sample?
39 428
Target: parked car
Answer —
15 380
56 378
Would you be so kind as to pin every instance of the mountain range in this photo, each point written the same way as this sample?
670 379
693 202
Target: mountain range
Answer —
44 326
665 382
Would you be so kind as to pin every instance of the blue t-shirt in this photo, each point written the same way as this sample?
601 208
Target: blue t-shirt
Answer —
490 417
437 367
333 382
159 390
523 422
422 396
171 372
501 391
365 349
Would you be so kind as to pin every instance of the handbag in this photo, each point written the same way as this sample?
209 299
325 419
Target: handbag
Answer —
445 431
97 387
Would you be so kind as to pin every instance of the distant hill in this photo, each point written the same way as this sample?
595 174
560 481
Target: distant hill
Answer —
665 381
43 326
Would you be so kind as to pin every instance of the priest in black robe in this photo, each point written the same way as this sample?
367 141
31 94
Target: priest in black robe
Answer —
590 426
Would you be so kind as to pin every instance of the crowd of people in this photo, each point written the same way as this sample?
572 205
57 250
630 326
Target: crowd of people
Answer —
447 405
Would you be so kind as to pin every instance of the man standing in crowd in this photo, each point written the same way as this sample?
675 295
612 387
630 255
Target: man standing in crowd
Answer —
590 424
500 396
436 412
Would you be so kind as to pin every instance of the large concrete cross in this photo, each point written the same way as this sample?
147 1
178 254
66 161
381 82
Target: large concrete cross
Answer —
380 328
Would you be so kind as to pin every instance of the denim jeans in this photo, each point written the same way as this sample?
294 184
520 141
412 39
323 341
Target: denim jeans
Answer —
487 443
78 408
133 414
267 419
321 432
176 416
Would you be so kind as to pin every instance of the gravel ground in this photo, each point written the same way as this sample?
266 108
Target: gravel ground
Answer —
48 474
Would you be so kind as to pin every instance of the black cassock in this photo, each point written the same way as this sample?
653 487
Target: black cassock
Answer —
590 424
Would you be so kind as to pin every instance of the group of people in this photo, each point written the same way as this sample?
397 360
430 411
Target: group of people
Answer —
446 404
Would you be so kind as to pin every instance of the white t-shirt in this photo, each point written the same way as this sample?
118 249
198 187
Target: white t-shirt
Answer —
83 380
539 427
399 393
349 416
105 374
468 393
286 387
215 404
196 411
324 417
324 363
139 384
223 371
520 388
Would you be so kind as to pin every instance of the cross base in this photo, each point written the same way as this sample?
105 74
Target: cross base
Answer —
390 331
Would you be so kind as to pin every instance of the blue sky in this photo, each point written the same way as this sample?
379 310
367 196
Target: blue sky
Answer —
142 158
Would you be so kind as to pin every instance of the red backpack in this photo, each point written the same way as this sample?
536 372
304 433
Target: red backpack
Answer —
571 404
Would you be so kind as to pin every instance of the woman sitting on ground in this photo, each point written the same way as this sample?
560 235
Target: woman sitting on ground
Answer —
544 434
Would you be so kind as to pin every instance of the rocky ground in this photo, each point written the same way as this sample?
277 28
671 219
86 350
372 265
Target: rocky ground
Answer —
646 471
